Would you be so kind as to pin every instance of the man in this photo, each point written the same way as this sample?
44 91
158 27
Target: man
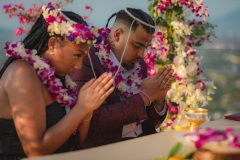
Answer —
137 105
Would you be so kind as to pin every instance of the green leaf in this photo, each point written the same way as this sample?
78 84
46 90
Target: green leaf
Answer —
167 62
187 154
150 6
174 151
171 55
157 20
155 3
159 61
163 22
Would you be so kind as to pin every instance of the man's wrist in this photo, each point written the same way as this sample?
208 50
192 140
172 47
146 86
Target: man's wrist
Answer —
147 100
163 102
159 105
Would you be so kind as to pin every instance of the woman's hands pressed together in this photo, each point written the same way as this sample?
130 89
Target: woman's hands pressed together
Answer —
94 92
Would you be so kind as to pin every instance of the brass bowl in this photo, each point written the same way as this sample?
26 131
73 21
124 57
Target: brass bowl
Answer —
196 116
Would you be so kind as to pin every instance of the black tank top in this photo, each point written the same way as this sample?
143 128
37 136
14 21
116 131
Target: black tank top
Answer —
10 146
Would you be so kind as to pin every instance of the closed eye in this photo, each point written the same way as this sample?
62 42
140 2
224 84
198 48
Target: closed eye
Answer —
137 46
77 55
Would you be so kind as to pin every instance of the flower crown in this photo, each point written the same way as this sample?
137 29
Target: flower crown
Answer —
60 24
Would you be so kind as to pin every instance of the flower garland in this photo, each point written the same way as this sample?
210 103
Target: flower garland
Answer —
128 86
196 6
59 24
174 44
208 135
67 97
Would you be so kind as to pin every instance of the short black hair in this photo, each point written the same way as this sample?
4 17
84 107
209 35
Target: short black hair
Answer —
122 16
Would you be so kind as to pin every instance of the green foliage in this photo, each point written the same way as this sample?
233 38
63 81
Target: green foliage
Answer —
175 150
176 154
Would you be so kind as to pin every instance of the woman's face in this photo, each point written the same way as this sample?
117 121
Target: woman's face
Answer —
66 56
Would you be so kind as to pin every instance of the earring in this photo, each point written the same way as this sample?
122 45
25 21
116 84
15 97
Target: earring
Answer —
50 52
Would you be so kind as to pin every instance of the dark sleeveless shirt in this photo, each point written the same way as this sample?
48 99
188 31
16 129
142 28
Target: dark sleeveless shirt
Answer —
10 145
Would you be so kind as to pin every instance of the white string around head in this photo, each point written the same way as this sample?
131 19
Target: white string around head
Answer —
120 63
139 20
89 57
68 19
134 19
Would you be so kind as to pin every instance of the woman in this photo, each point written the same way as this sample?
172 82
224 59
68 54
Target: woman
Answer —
36 91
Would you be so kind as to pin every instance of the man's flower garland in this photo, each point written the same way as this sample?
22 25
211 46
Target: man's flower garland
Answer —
128 86
59 24
67 97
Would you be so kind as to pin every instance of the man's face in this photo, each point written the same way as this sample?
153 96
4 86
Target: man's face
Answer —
138 41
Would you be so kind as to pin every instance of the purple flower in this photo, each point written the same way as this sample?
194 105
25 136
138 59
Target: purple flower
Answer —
50 6
6 6
46 74
71 37
210 135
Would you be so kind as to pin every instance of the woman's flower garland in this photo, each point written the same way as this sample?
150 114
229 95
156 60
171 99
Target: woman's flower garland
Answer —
59 24
67 97
128 86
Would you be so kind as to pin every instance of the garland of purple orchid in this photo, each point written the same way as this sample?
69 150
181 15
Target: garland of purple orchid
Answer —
67 97
59 24
128 86
206 135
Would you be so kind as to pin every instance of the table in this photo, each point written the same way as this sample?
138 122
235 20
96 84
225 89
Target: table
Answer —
143 148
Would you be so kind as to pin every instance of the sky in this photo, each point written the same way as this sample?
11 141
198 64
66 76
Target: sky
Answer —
104 8
224 13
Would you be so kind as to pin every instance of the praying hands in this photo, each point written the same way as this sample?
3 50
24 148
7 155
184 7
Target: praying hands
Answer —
154 89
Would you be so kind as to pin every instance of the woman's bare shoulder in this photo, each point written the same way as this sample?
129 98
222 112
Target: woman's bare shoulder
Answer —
21 67
20 72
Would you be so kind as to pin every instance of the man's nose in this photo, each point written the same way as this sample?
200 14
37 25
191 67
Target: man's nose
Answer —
141 52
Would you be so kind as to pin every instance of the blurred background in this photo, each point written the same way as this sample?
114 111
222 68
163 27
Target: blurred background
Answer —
221 58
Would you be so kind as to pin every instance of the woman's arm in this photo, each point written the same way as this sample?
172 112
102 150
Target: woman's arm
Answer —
84 127
28 108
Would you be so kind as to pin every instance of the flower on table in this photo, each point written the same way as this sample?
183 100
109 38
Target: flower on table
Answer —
208 135
175 154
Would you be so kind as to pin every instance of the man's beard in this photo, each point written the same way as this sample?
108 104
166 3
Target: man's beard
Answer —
128 66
